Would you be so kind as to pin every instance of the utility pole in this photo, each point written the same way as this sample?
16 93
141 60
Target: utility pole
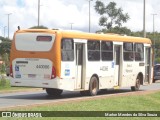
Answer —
4 30
154 36
8 22
38 11
144 18
71 25
90 15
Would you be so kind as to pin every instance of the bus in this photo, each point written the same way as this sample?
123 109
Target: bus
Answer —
58 60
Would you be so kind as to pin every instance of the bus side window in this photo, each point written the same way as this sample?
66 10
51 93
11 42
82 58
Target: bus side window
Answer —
128 54
67 49
107 51
139 52
93 50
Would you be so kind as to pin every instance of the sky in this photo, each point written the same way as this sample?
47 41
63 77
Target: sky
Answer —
62 13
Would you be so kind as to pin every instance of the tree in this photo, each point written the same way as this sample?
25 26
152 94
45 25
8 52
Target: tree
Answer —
111 16
5 45
118 30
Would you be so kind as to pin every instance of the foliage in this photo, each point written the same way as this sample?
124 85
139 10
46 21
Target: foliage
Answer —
5 45
3 82
2 68
38 27
155 39
111 16
117 30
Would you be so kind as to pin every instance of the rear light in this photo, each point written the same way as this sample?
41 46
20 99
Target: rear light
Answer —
44 38
53 73
11 71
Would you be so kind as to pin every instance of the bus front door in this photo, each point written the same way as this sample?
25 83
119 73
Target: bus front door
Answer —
117 59
79 65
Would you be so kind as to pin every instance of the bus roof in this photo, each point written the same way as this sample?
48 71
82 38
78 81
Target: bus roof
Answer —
107 37
91 36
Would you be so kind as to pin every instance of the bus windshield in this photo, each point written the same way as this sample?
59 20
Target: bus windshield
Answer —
34 41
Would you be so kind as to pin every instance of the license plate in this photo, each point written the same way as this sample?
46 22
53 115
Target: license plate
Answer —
31 75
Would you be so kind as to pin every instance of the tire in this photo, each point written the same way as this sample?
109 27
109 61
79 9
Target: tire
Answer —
53 92
84 93
137 85
154 80
104 91
93 86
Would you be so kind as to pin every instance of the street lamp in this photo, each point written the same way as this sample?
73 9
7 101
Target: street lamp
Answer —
154 36
4 30
144 18
71 25
38 11
8 22
1 29
39 7
89 14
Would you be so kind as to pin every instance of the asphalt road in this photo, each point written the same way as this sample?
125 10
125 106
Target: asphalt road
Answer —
8 100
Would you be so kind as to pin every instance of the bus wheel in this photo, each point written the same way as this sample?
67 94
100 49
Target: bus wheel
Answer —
84 93
53 91
137 85
93 86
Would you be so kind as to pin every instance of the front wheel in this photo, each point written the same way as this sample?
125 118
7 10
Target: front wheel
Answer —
137 85
93 86
53 91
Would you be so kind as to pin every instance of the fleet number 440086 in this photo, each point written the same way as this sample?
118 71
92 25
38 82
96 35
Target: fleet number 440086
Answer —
42 66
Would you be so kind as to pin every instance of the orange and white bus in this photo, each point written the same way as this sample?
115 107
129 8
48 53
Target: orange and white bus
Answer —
58 60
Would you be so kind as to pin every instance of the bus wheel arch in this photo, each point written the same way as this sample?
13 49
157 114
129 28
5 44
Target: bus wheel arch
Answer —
139 81
94 85
141 78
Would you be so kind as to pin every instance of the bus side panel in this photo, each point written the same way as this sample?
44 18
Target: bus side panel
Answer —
68 75
130 73
106 75
104 71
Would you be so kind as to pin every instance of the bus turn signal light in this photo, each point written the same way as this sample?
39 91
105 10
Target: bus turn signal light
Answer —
11 71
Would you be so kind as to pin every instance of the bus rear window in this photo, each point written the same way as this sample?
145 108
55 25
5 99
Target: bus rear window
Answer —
34 41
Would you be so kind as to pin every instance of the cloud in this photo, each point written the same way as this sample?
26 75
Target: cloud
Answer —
60 13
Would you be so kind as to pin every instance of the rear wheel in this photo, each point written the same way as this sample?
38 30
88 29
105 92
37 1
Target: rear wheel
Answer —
137 85
93 86
154 80
53 91
84 93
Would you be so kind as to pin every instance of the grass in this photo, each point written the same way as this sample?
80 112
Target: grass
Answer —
4 84
150 102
